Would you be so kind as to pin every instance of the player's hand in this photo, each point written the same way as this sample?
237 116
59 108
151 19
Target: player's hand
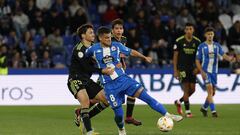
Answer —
108 70
176 74
119 65
204 75
148 59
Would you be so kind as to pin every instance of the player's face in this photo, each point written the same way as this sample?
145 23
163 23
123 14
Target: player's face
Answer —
105 39
89 35
209 35
189 30
118 30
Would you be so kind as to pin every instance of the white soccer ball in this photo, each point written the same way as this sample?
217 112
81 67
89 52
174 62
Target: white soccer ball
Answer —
165 124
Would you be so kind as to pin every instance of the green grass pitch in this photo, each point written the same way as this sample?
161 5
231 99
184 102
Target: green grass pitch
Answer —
58 120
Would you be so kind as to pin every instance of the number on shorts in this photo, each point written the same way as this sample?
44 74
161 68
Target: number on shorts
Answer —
112 98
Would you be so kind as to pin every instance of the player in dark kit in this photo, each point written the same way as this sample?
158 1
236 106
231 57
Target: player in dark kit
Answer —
79 82
185 70
117 36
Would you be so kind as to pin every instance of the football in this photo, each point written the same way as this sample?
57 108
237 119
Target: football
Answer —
165 124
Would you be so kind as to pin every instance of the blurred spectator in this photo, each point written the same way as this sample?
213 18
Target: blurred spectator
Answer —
73 7
220 33
33 63
79 19
110 14
183 18
46 61
210 13
234 34
20 21
44 4
56 41
59 6
122 9
18 62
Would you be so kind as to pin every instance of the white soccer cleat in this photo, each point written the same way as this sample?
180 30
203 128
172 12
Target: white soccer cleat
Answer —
122 131
174 117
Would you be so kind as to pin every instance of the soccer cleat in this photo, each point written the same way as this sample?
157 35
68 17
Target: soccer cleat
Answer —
214 115
92 133
122 131
131 120
179 107
204 112
176 118
189 115
77 116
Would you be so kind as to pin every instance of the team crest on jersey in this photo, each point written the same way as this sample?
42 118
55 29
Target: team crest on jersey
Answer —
107 59
113 48
80 54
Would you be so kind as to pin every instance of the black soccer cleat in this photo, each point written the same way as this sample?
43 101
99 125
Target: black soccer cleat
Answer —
214 115
204 112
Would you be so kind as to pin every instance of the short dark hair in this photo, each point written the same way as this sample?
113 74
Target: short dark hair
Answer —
117 21
188 24
103 30
208 29
83 29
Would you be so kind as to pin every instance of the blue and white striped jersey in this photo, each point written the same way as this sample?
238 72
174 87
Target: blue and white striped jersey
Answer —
108 57
208 55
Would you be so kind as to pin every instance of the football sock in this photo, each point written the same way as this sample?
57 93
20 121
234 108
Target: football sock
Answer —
86 119
187 105
152 102
181 100
205 105
130 106
212 107
97 108
119 117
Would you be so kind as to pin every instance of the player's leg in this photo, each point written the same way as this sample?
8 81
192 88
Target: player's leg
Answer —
212 106
209 99
154 104
190 91
185 86
83 98
130 106
100 106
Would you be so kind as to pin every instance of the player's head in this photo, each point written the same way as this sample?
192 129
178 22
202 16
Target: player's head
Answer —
189 29
209 33
86 32
104 35
117 28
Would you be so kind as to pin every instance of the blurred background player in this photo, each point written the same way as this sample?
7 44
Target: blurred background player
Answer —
79 83
3 60
185 70
117 85
117 36
207 63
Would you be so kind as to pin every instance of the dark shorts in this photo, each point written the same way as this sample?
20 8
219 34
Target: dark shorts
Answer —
187 76
91 87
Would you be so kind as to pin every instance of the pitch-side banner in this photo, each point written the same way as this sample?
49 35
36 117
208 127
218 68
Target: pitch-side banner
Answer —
52 89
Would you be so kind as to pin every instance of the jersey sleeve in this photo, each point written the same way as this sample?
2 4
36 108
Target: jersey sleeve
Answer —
123 49
199 53
220 50
89 52
176 46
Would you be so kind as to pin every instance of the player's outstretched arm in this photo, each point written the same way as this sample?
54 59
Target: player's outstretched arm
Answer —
175 61
137 54
229 58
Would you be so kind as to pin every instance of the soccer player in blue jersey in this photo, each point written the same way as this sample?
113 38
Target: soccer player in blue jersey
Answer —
117 85
207 62
117 35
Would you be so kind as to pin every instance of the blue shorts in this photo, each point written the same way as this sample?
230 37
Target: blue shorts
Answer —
211 79
116 90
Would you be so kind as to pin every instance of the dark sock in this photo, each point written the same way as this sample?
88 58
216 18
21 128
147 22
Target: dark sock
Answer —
97 108
130 106
187 105
181 100
86 119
